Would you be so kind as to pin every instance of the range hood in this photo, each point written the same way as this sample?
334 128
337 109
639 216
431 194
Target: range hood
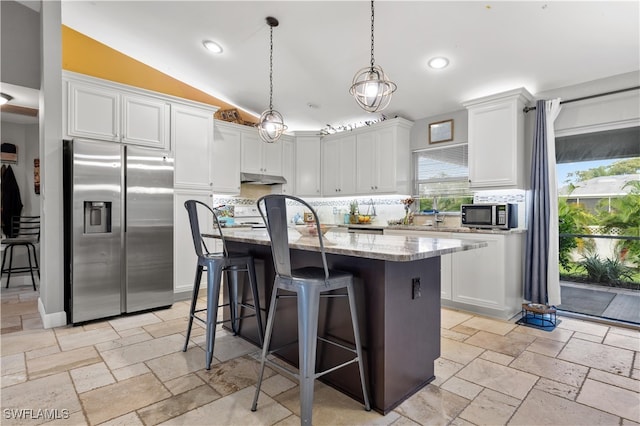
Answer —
258 179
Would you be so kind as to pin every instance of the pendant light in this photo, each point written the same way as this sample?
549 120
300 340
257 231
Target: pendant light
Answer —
371 87
271 125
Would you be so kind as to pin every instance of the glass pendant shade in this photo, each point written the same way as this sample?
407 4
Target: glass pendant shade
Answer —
372 89
271 126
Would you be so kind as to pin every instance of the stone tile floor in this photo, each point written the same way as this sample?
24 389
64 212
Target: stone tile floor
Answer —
131 371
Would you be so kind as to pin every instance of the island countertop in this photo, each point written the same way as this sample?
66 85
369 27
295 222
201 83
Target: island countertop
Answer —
393 248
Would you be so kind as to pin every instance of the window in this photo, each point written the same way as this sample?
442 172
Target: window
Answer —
442 178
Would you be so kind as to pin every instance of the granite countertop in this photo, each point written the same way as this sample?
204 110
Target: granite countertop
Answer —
381 247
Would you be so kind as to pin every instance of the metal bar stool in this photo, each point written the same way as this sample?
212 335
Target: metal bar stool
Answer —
25 232
216 264
309 284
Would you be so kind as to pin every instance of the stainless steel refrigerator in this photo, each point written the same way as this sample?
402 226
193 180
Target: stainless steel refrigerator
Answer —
118 227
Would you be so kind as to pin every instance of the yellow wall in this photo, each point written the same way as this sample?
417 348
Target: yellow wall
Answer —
87 56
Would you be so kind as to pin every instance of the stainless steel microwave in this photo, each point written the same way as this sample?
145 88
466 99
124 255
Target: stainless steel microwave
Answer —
490 216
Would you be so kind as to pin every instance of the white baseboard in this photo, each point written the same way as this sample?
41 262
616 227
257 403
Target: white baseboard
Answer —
55 319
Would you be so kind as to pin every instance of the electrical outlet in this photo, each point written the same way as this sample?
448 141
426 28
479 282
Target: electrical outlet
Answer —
415 288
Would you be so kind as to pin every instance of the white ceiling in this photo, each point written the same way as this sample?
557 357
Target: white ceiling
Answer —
492 45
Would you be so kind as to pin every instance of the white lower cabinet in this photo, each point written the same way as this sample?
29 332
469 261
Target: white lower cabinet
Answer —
487 280
184 254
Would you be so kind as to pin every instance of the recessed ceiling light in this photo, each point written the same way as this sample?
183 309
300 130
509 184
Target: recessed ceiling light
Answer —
4 98
212 46
438 63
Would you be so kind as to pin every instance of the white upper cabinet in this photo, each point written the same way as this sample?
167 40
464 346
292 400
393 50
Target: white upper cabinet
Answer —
377 161
497 149
145 121
338 166
192 135
93 112
104 111
225 168
288 164
308 164
259 157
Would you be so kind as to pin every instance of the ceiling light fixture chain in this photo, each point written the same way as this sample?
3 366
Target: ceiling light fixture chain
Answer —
271 125
371 87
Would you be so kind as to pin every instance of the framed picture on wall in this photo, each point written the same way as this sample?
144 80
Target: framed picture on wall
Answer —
441 131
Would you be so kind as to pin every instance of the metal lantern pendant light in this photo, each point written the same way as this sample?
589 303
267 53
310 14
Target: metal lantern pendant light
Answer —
371 87
271 125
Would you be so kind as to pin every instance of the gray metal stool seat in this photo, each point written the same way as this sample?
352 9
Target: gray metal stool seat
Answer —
309 284
215 264
25 232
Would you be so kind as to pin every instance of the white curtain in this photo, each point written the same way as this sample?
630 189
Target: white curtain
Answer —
552 109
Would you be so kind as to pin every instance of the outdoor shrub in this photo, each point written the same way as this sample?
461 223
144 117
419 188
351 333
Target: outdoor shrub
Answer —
606 271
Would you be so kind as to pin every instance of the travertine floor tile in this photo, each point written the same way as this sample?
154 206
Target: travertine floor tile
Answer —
490 325
498 377
589 337
36 353
458 351
558 411
546 347
183 384
178 310
52 392
461 387
583 326
432 405
329 407
232 376
123 323
444 369
234 409
109 402
14 369
622 341
450 318
459 421
177 364
612 399
177 405
62 361
602 357
490 407
130 371
558 334
143 336
454 335
557 388
130 419
143 351
86 338
512 344
615 379
625 332
24 341
551 368
463 329
177 325
496 357
227 346
277 384
91 377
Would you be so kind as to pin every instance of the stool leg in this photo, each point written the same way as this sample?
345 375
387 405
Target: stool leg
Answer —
10 265
253 282
308 306
35 259
4 258
232 287
194 302
267 340
356 334
33 280
214 276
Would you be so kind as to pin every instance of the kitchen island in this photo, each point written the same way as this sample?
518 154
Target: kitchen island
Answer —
397 285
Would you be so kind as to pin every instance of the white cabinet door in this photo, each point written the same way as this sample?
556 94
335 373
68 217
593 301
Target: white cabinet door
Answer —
184 254
272 158
288 164
479 274
339 166
366 163
307 155
145 121
386 152
225 160
496 140
251 153
93 112
192 136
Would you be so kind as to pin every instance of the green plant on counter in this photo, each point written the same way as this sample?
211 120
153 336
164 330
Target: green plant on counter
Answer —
353 207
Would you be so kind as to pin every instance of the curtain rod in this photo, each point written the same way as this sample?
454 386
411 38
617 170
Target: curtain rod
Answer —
527 109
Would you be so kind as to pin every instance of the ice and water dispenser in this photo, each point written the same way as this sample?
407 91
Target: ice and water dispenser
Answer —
97 217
